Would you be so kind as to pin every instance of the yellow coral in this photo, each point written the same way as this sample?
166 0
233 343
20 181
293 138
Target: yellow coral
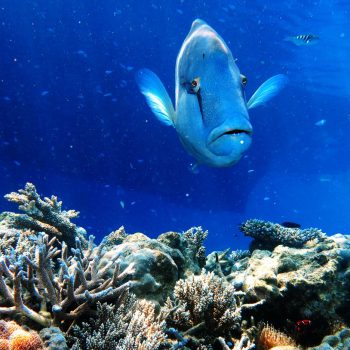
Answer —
270 337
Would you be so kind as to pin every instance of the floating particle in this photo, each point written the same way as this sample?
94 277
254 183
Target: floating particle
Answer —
82 53
108 72
267 198
44 93
321 122
122 204
123 83
108 94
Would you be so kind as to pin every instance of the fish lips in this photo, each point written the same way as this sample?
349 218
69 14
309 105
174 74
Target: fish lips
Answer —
230 139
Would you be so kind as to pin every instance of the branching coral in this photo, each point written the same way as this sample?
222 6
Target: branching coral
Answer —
30 286
204 304
275 234
43 215
131 326
195 237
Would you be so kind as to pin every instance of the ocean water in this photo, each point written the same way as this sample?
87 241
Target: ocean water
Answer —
73 121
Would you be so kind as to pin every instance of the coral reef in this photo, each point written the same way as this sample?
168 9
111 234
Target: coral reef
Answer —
268 235
131 292
43 215
53 339
204 306
158 263
30 287
338 341
14 337
131 326
270 338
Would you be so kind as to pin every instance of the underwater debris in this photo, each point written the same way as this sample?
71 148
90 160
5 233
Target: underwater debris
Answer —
130 326
43 216
31 287
268 234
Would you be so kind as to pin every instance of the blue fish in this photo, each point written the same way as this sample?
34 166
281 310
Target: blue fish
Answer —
211 114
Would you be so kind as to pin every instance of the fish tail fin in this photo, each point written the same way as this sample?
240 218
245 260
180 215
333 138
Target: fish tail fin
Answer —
269 89
156 96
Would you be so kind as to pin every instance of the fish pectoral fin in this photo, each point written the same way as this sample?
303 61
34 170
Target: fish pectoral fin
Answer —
156 96
269 89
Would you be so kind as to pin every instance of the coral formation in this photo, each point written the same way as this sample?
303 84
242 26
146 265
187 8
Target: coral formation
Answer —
204 306
30 287
270 337
43 215
132 292
338 341
269 234
158 263
14 337
53 339
131 326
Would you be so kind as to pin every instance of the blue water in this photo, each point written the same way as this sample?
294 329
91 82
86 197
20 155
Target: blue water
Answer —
73 122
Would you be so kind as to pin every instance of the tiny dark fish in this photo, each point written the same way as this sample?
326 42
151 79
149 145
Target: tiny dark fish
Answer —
303 39
289 224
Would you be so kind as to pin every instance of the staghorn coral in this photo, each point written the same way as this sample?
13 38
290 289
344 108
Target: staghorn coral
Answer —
195 237
270 235
130 326
203 305
43 215
30 286
270 337
14 337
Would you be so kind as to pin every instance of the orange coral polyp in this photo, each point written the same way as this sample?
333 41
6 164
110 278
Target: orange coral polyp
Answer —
23 340
4 344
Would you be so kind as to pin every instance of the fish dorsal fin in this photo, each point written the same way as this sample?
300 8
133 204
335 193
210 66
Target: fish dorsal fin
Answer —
156 96
196 24
267 90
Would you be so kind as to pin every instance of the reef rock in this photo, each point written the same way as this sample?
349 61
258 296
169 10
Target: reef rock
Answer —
310 282
157 263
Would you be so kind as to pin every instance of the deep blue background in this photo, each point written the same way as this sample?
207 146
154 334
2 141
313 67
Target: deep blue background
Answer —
73 122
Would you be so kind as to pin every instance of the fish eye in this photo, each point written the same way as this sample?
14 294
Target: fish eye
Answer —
195 85
244 80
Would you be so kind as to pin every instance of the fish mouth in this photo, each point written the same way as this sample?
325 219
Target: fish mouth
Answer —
235 132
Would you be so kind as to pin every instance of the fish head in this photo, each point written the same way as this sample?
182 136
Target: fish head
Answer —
211 113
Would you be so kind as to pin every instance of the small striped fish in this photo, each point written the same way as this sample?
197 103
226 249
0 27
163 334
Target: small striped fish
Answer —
303 39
